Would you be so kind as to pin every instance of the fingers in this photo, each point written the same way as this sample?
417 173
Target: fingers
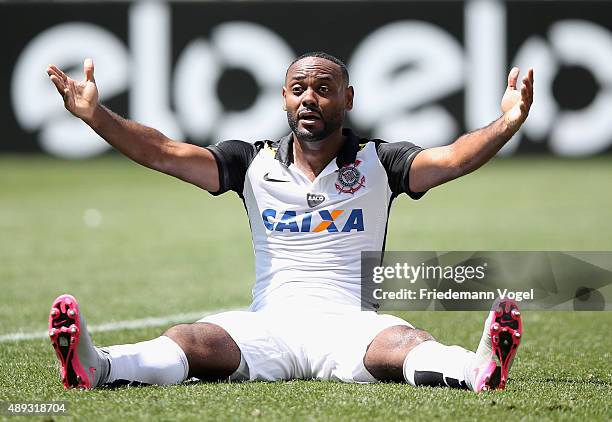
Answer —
527 91
88 68
52 72
513 77
58 78
53 69
524 108
59 85
527 88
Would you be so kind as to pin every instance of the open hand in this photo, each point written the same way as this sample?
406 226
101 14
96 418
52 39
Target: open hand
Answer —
515 104
80 98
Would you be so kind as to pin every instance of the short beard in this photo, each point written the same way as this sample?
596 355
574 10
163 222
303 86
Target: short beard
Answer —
329 126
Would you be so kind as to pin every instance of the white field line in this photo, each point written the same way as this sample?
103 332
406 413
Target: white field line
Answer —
122 325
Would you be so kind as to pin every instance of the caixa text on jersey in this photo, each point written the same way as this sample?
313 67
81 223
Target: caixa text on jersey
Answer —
331 221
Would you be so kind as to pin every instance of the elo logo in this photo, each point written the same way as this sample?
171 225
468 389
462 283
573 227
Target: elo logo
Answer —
330 220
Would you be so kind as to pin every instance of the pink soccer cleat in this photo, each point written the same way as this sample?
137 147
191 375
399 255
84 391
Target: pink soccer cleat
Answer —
500 339
82 366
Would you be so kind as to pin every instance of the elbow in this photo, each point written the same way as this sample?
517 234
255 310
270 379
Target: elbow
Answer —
455 166
159 158
459 165
461 168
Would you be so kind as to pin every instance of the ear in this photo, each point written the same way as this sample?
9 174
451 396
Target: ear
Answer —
348 97
284 98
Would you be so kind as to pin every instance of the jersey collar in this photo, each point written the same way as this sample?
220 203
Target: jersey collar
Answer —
347 154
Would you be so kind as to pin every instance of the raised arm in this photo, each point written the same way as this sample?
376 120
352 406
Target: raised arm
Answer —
435 166
140 143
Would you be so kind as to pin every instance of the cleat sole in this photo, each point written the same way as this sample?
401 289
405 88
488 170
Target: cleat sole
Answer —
508 340
506 331
64 330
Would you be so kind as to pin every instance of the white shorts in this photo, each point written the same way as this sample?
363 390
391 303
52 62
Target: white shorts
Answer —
303 345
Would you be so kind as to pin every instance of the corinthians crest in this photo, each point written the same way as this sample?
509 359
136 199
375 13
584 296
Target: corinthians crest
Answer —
350 179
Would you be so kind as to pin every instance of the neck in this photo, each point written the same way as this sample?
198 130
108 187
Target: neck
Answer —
312 157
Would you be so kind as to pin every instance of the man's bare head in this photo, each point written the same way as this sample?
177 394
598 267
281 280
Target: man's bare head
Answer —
326 56
317 96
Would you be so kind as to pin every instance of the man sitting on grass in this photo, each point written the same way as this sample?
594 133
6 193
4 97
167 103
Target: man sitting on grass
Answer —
315 199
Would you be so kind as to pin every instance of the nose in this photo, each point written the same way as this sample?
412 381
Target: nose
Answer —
309 98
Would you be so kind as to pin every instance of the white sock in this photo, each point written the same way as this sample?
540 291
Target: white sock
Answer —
242 372
160 361
434 364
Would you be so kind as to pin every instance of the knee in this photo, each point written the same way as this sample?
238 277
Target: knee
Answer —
201 338
211 352
402 338
413 336
182 335
385 356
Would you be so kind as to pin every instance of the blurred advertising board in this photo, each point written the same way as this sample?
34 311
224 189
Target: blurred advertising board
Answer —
424 71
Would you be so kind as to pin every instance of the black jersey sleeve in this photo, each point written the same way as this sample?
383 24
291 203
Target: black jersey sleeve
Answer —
233 160
396 158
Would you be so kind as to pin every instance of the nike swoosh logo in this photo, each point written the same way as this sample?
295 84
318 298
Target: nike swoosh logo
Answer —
269 179
60 323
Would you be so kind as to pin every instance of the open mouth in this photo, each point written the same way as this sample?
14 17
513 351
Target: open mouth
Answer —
309 116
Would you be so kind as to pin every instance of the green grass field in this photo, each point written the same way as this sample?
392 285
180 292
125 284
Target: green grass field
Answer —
163 247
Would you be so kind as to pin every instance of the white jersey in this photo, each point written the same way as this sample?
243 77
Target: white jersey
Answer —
308 236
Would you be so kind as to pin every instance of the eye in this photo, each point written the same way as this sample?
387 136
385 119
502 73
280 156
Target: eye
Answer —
297 90
324 89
